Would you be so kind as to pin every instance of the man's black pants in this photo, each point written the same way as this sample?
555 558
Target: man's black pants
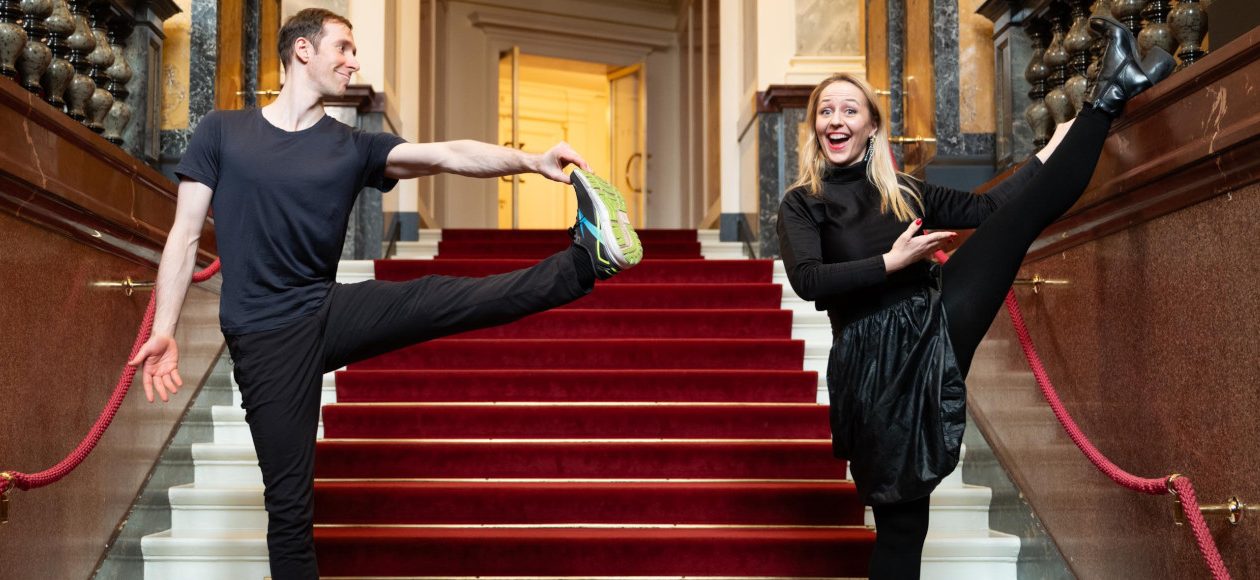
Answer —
280 371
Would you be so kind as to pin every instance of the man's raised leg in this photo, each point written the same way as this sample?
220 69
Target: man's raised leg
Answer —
374 317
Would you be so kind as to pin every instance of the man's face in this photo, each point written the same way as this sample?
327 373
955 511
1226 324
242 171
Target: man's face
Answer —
334 60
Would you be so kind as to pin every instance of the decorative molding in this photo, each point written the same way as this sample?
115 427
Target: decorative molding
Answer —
362 98
778 97
813 69
602 33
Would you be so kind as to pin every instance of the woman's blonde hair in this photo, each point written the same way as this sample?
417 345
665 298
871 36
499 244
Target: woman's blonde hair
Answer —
879 169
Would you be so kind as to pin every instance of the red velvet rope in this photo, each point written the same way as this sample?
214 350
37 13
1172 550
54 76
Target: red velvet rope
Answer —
1180 485
65 466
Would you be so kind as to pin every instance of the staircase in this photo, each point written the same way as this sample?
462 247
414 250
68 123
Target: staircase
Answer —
666 425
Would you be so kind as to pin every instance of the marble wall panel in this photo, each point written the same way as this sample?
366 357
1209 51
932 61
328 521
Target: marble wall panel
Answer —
1145 348
828 28
975 63
65 343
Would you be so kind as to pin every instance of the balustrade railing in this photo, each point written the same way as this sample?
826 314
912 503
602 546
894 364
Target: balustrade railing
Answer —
73 55
1065 51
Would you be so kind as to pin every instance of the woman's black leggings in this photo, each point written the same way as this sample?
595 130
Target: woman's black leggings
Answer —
976 278
974 283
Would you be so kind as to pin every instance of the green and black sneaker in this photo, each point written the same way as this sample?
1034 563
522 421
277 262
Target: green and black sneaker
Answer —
603 227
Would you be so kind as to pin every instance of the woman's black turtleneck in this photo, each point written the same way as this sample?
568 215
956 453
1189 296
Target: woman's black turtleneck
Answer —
833 244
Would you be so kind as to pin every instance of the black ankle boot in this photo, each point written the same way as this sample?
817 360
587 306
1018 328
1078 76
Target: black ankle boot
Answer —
1121 76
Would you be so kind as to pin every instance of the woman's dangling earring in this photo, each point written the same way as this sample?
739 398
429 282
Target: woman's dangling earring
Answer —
870 149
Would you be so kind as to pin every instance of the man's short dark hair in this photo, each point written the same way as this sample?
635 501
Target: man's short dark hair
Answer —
308 24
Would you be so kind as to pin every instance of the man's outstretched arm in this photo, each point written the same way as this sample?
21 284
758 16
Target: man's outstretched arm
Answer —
160 355
477 159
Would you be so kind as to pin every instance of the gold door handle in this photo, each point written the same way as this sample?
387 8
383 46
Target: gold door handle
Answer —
898 139
629 163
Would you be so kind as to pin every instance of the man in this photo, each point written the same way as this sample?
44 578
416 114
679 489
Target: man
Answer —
282 180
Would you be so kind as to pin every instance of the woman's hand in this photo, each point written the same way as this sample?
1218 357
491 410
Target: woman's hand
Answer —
910 248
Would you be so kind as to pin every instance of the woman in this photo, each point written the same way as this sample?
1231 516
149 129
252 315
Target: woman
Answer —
905 330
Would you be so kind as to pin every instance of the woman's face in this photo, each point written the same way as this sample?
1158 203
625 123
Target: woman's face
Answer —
843 123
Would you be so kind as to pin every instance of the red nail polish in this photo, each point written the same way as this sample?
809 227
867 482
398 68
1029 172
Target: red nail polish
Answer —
918 222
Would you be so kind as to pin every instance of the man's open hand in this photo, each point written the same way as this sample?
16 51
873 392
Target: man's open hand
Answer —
160 357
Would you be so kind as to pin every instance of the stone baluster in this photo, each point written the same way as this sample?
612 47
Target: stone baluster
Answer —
1057 59
1098 44
1155 29
1037 115
12 37
101 58
35 55
60 24
1129 13
81 43
119 74
1189 23
1077 42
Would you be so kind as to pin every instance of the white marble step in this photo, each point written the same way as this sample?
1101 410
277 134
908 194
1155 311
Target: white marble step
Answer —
327 393
956 509
209 508
983 555
233 555
226 465
206 555
425 249
351 271
230 427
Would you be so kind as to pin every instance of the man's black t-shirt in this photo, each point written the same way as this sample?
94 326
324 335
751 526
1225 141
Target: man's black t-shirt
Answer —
282 200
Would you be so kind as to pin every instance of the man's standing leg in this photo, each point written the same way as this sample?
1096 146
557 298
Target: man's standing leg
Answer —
280 374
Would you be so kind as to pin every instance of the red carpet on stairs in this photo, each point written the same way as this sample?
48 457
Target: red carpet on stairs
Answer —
659 427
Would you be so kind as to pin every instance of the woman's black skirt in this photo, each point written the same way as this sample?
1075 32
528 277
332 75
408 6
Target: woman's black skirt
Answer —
898 402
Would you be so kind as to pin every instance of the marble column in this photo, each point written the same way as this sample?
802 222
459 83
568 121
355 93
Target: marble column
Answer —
204 55
1012 50
780 115
143 54
249 70
896 69
963 160
363 108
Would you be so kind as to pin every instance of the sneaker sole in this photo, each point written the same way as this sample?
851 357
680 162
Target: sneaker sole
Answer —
609 202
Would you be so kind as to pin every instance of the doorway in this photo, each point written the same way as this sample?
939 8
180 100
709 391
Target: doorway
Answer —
597 108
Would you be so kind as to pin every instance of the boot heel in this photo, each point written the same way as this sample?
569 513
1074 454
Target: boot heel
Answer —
1157 64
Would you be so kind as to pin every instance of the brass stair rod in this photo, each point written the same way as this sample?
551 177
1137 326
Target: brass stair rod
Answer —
128 285
1036 281
4 498
1233 509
